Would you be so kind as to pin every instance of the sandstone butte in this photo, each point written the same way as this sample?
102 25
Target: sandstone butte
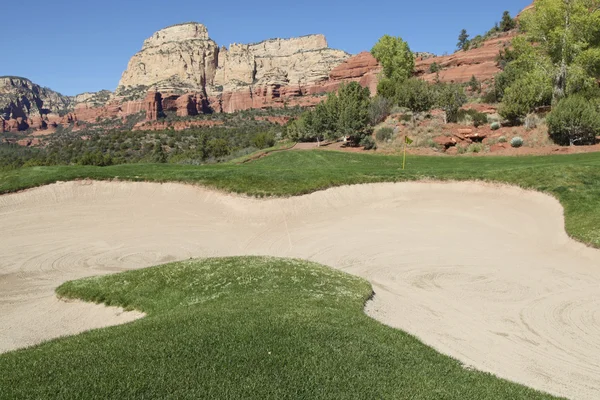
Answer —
180 69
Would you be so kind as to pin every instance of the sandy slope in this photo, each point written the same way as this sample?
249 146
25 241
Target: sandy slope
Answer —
483 273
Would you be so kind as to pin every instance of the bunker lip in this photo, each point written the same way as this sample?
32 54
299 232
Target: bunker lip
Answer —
482 272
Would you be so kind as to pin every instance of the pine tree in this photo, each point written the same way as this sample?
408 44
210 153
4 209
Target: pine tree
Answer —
463 40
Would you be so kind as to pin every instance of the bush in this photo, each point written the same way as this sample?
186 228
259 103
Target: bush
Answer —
495 126
450 98
531 121
264 140
434 68
529 91
416 95
516 142
379 109
384 134
502 139
474 85
477 117
475 148
574 120
368 143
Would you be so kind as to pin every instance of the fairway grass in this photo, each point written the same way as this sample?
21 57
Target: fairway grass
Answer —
573 179
244 327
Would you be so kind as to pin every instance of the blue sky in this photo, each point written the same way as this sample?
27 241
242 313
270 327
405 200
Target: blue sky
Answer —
77 46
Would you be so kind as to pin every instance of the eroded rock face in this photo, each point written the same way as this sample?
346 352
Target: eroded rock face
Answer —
462 65
181 54
21 98
299 61
184 59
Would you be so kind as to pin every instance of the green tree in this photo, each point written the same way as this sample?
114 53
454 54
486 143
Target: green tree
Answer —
353 108
474 85
395 56
264 140
345 113
568 33
507 23
450 98
387 88
574 120
531 90
463 40
416 95
379 109
158 153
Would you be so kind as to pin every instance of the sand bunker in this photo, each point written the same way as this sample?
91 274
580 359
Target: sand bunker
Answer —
483 273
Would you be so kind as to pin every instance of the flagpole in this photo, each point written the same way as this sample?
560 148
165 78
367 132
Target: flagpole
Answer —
404 157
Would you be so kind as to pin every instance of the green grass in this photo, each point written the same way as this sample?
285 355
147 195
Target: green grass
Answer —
573 179
241 328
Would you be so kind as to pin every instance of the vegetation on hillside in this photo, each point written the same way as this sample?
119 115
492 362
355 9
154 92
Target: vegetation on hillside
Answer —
342 114
557 56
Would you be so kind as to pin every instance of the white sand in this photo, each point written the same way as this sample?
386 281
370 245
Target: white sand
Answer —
482 273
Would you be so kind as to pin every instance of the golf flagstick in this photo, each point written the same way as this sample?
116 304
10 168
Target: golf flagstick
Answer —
407 140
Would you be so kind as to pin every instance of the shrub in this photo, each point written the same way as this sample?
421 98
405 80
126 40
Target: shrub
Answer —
495 126
474 84
264 140
379 109
490 97
529 91
502 139
416 95
475 116
479 118
368 143
531 121
450 98
434 68
574 121
475 148
507 22
516 142
384 134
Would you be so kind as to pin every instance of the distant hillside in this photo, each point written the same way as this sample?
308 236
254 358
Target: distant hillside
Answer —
21 98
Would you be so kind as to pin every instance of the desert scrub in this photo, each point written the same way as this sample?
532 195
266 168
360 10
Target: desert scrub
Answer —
368 143
475 148
495 126
384 134
516 142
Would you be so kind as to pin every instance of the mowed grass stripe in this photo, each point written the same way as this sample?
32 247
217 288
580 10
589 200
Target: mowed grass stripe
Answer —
241 328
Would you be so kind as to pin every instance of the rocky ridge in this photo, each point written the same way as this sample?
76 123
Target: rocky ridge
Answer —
181 70
461 66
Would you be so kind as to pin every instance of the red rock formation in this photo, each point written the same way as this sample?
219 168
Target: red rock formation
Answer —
355 67
462 65
153 104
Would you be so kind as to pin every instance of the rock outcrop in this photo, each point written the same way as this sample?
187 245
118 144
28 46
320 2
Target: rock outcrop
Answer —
25 105
459 67
183 59
178 55
21 98
296 61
